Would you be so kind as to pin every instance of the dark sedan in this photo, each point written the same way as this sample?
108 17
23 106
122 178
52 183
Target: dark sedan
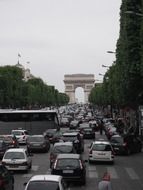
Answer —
126 144
37 143
71 167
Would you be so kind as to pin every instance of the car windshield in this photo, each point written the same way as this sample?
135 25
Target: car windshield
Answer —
116 140
68 163
43 185
101 147
63 149
17 132
14 155
35 139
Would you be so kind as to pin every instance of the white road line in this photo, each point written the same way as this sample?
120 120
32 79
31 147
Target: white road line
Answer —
132 173
34 168
112 172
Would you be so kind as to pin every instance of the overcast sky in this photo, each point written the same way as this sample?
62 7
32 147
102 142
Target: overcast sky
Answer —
59 37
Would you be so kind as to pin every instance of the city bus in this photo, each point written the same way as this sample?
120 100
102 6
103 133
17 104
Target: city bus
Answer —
34 121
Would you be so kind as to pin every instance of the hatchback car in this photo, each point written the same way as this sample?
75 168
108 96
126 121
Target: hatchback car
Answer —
21 135
6 179
37 143
17 159
61 148
101 151
45 182
71 167
10 140
126 144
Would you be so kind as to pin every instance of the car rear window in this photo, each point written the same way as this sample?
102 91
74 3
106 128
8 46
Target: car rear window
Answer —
14 155
63 149
101 147
35 139
43 185
68 163
116 140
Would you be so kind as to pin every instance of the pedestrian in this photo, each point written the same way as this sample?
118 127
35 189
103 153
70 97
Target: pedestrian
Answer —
105 183
101 126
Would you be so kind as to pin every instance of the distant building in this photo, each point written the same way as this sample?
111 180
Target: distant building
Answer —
26 72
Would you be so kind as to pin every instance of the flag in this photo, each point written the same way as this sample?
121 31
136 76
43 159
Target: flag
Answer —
19 55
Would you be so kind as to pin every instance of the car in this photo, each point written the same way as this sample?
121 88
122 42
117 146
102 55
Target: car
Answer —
3 148
45 182
17 159
74 124
61 148
6 178
71 167
65 122
21 135
88 133
37 143
101 150
76 138
10 140
126 144
53 135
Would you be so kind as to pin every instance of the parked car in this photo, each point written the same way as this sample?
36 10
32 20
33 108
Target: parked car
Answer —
61 148
10 140
37 143
17 159
102 151
45 182
76 138
126 144
71 167
3 148
21 135
6 178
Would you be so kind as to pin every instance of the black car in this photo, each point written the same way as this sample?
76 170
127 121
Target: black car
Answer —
3 148
6 179
61 148
76 138
10 140
88 133
71 167
37 143
53 135
126 144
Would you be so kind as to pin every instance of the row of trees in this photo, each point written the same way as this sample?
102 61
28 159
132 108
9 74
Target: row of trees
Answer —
123 82
15 92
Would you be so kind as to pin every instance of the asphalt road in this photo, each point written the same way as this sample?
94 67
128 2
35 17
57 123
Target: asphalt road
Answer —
126 173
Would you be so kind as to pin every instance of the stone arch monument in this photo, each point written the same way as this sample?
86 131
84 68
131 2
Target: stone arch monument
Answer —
86 81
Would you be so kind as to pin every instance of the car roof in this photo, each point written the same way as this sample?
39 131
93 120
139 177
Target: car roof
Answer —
70 134
36 136
101 142
23 130
76 156
16 150
46 178
63 143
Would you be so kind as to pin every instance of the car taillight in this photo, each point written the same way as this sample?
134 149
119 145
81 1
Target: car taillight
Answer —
81 166
13 142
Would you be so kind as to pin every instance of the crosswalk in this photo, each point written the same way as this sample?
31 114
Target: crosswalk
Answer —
95 172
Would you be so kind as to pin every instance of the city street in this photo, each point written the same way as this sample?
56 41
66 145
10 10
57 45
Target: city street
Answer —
126 172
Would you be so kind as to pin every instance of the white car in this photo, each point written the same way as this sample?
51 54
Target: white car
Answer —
21 135
44 182
17 159
101 150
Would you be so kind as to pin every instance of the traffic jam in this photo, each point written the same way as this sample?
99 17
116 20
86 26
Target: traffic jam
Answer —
86 138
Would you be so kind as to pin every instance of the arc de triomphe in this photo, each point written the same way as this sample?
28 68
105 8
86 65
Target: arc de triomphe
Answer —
86 81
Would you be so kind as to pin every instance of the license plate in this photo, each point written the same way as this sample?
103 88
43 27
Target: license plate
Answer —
67 171
13 166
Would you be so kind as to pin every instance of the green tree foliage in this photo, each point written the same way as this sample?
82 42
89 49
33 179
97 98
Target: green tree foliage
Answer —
16 92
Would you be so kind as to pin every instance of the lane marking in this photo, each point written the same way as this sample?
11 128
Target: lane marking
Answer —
132 173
